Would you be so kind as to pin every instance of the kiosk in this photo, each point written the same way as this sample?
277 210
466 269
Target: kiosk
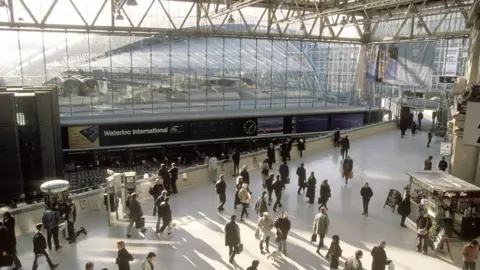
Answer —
55 191
452 203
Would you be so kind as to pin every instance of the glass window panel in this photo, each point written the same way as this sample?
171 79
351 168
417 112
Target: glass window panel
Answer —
142 92
198 84
231 71
279 70
100 67
248 63
121 83
181 76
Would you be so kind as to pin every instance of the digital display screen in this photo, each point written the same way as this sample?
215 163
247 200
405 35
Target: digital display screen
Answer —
346 121
270 125
304 124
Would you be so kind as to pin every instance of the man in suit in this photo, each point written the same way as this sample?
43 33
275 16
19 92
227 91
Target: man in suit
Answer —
232 237
71 217
39 248
51 221
221 188
9 223
236 162
173 172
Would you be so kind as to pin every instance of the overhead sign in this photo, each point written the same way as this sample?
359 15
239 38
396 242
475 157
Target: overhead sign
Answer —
471 132
445 149
451 62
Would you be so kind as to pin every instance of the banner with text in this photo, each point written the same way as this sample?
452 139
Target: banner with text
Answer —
83 137
451 62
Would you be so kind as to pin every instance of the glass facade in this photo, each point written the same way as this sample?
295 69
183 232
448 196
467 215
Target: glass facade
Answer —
109 74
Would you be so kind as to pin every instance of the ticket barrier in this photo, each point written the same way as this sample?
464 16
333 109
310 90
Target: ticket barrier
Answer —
110 199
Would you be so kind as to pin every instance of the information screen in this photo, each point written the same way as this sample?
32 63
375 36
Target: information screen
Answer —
270 125
303 124
346 121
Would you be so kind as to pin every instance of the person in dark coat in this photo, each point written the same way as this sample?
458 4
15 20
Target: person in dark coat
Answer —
404 209
424 224
71 217
311 184
254 265
123 257
245 177
413 127
6 241
345 143
420 117
302 178
278 186
366 193
336 137
221 188
236 162
347 168
325 193
136 213
271 155
283 225
156 190
443 164
9 223
334 252
173 173
163 173
39 248
238 188
429 138
284 151
261 205
269 187
165 212
301 147
51 221
284 172
379 257
232 237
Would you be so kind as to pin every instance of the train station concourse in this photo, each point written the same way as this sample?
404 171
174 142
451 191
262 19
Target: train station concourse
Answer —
104 104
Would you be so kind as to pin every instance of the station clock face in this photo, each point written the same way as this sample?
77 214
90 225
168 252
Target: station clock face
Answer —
250 127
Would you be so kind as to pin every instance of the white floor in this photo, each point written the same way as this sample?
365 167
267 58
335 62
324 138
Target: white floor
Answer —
198 241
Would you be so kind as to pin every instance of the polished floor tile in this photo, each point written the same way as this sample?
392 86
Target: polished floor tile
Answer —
198 239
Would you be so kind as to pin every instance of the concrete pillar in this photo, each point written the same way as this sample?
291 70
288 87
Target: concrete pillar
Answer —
465 160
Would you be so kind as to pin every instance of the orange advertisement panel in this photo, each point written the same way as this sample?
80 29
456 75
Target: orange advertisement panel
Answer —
83 137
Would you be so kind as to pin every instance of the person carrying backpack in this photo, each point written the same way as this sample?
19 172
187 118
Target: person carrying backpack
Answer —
261 205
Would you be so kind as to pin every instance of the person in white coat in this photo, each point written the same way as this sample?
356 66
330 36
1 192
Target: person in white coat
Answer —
147 263
212 166
264 227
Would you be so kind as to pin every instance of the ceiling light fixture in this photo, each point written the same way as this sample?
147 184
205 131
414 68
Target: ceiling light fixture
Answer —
131 3
231 19
119 16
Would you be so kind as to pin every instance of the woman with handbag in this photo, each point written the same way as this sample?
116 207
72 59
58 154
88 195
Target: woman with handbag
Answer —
334 252
264 227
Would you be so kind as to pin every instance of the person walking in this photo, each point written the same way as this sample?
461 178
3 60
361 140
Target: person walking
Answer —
334 252
345 143
301 147
429 139
302 178
156 190
420 118
165 212
470 255
366 193
325 193
221 188
71 217
427 164
245 176
238 187
269 187
9 223
51 221
336 137
147 263
135 215
6 246
212 166
284 173
232 237
277 186
424 223
443 165
163 174
404 209
123 257
254 266
89 266
173 173
236 162
311 184
261 205
320 226
413 127
264 229
379 257
244 197
283 225
265 171
39 248
271 155
158 202
354 262
347 169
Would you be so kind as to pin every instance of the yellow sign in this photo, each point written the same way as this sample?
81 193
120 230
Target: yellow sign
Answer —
83 137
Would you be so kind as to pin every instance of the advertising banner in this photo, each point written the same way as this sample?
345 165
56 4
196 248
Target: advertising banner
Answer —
314 123
382 52
371 62
114 135
347 121
451 61
270 125
390 68
83 137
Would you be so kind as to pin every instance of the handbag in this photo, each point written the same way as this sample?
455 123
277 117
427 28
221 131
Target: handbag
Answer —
140 223
257 233
6 261
313 238
350 175
239 248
